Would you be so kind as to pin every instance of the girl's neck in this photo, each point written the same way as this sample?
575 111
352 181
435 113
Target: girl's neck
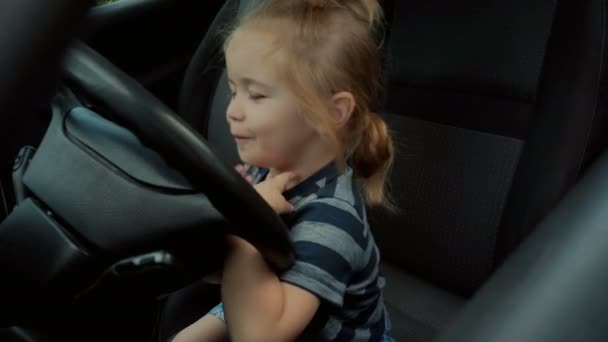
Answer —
307 164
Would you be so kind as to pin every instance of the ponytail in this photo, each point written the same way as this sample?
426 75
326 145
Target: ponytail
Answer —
372 160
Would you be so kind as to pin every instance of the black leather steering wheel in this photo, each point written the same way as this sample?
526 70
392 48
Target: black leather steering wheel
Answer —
160 128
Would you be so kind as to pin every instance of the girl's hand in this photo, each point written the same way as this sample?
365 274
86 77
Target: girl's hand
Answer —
272 190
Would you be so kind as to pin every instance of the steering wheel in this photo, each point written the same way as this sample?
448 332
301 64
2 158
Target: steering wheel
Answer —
216 186
157 125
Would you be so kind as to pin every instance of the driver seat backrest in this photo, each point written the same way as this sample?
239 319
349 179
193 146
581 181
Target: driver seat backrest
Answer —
491 104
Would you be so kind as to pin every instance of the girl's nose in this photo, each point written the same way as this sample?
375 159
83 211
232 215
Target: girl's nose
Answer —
235 112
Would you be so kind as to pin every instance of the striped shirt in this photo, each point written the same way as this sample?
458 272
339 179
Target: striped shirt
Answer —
336 257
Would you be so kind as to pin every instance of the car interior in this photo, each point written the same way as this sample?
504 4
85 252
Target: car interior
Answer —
116 177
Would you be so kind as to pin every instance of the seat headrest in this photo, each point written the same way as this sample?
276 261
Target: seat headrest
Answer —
493 47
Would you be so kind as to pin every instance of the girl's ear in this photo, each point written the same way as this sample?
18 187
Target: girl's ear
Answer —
343 106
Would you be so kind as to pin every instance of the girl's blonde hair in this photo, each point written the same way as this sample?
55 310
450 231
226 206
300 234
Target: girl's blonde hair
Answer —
329 46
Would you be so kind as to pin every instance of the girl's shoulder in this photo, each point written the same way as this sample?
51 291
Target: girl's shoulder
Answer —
343 192
336 205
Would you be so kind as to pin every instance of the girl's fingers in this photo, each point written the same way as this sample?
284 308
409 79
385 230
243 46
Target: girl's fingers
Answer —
282 206
249 179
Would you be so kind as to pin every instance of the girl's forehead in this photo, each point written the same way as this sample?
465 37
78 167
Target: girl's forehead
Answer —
253 50
254 40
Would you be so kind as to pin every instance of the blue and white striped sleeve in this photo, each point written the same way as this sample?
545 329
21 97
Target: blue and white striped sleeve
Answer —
329 246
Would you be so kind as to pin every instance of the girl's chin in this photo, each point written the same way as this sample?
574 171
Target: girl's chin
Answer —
248 158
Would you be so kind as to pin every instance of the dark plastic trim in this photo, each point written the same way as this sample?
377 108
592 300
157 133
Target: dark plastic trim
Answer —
41 261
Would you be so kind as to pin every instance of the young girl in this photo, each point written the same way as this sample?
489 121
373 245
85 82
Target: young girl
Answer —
303 74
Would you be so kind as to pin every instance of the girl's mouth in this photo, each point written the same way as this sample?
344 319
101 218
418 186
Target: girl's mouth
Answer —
242 138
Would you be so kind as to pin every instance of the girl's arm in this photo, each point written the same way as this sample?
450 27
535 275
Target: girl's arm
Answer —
258 306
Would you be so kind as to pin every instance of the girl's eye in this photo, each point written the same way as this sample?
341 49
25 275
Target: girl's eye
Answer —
232 94
256 97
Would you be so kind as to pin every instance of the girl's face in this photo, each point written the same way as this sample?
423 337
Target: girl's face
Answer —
264 115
